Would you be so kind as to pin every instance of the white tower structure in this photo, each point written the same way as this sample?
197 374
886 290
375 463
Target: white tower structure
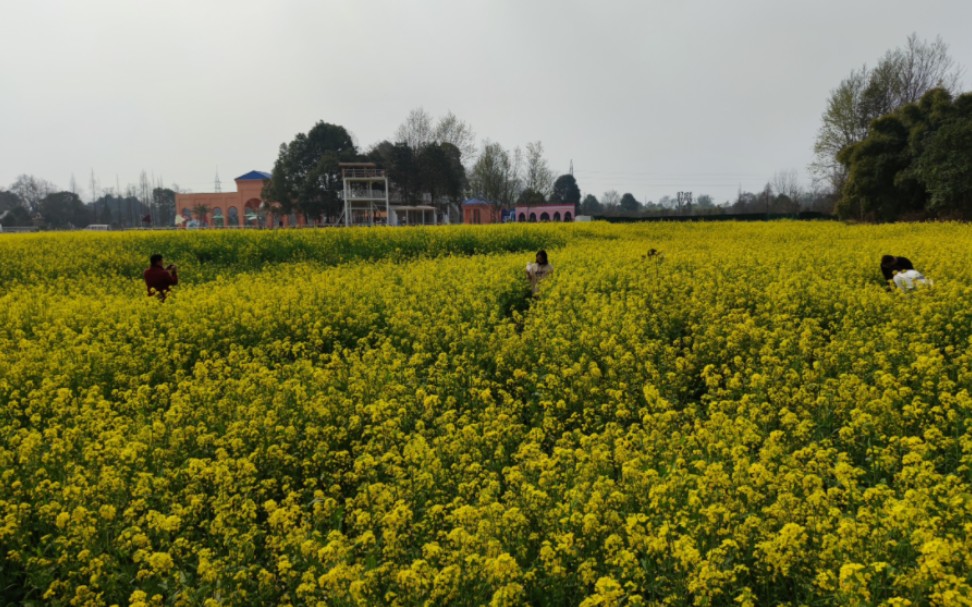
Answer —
365 194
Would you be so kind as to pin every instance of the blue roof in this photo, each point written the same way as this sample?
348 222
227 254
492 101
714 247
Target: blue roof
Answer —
475 201
253 176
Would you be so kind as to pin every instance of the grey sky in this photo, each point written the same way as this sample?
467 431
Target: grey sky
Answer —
647 97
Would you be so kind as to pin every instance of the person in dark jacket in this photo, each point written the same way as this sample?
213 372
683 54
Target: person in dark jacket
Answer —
159 279
891 264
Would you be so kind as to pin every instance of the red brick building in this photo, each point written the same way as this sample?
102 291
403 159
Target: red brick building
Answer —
480 211
243 208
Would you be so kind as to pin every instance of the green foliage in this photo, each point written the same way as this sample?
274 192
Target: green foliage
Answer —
945 166
901 77
9 200
120 211
530 197
565 190
306 177
590 205
913 162
64 210
629 203
434 170
440 171
398 160
13 212
17 216
872 187
163 201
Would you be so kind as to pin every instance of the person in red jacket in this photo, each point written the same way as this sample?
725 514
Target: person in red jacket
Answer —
158 279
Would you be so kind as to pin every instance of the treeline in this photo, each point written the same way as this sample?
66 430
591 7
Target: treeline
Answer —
427 161
783 197
426 164
37 203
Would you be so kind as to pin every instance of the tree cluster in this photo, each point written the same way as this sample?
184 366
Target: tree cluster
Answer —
429 162
901 77
34 202
507 178
306 177
13 211
915 162
783 197
431 174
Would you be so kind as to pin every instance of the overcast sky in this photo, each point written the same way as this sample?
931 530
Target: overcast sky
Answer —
644 96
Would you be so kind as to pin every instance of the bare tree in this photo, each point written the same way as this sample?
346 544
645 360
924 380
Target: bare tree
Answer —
922 66
902 76
495 176
32 190
450 129
94 187
514 181
537 175
843 124
145 194
787 183
610 200
420 130
417 129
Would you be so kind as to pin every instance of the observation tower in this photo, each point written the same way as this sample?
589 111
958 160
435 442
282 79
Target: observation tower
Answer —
365 194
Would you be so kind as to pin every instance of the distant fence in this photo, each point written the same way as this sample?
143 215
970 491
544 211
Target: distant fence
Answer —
15 229
802 216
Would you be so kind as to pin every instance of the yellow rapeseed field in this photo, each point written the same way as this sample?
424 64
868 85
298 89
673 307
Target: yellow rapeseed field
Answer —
385 416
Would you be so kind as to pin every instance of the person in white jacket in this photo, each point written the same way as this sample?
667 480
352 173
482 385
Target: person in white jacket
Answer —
909 280
538 270
899 271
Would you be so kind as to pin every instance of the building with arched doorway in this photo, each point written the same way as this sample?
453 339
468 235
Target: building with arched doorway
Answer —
548 211
244 208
